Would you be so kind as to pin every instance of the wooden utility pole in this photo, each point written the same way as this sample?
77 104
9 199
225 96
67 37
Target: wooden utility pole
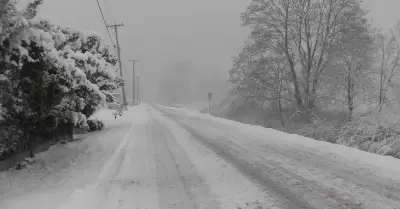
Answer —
115 26
209 102
133 81
138 89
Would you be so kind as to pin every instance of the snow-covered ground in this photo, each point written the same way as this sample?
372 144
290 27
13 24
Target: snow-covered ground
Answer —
230 187
194 106
386 164
312 173
57 172
161 157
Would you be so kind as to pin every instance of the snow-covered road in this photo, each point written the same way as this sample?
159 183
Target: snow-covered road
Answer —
157 157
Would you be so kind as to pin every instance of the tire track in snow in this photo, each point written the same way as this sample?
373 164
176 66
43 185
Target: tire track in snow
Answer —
138 188
285 198
113 200
347 180
193 183
254 171
229 187
92 196
171 189
256 168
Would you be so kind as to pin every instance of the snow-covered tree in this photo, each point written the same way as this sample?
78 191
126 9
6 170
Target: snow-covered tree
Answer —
92 65
50 75
351 63
99 64
387 73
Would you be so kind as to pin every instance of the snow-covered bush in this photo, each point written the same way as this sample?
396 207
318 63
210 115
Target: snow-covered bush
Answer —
97 62
378 133
10 137
92 125
95 125
100 124
321 130
50 76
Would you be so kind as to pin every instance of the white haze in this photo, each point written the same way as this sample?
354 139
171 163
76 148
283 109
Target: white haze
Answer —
169 37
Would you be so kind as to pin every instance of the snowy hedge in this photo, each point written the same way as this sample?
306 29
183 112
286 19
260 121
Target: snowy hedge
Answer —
50 75
376 132
95 125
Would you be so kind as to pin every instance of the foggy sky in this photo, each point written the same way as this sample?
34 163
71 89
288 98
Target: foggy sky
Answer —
204 33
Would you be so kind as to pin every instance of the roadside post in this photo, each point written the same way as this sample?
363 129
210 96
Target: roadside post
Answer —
209 102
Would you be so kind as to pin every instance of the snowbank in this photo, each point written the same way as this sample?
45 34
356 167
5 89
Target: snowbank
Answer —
106 115
103 114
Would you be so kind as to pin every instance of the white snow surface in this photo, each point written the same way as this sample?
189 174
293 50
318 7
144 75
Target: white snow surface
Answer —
387 166
140 159
341 177
66 170
193 107
225 182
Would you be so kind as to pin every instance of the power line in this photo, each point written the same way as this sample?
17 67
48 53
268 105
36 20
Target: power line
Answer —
105 23
108 11
108 14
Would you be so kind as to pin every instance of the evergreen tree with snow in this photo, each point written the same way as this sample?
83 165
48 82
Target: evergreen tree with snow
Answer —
50 76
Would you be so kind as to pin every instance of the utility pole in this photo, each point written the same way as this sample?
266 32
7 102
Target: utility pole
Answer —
209 102
133 85
115 26
138 89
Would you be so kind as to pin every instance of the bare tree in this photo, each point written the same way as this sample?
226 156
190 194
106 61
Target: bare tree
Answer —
264 80
352 60
304 32
388 72
274 76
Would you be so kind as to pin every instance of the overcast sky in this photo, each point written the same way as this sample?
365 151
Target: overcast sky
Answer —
206 33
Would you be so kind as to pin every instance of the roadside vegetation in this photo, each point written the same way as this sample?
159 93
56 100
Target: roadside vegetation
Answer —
52 78
321 70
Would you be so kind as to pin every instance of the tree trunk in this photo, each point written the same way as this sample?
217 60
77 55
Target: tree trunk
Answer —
350 99
69 132
380 101
30 144
290 61
281 114
297 94
381 107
